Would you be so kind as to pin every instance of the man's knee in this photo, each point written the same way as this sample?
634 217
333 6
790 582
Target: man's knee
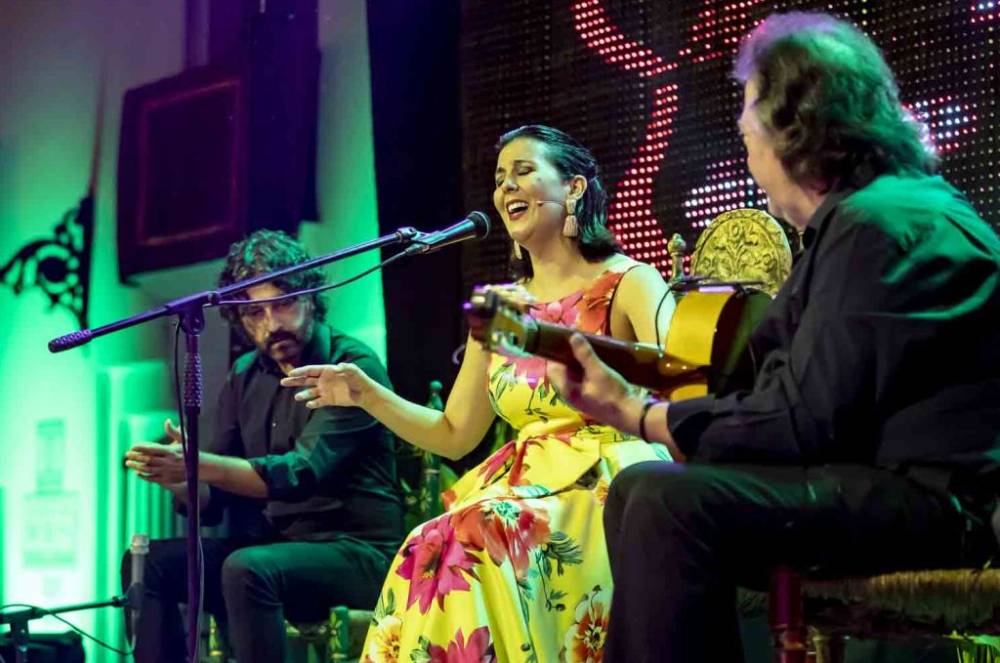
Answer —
659 491
248 573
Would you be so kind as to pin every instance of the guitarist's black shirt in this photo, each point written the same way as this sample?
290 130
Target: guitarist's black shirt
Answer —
881 348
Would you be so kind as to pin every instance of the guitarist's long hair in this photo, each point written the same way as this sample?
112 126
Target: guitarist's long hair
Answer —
570 158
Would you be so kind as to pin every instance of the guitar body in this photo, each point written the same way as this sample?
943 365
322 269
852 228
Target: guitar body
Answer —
711 327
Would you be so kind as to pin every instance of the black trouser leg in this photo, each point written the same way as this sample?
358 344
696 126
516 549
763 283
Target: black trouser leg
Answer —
681 537
159 637
264 584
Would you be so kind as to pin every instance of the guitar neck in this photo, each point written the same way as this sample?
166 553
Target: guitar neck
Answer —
639 363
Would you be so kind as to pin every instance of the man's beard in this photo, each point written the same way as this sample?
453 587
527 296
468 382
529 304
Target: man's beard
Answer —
292 350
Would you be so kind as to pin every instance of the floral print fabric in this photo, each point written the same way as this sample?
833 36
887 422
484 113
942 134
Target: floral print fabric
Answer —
516 569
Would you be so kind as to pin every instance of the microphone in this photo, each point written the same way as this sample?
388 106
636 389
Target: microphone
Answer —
476 224
139 549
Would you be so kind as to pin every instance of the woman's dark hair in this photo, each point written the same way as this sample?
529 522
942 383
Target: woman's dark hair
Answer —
829 99
570 158
265 251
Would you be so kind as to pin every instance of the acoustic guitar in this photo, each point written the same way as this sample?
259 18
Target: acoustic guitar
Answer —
706 351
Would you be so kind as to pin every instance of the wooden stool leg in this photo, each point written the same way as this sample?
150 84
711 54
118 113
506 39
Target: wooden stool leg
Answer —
788 629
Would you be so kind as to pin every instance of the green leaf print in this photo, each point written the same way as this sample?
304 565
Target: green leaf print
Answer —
523 596
563 550
552 601
502 378
386 606
539 413
530 491
543 562
532 411
422 653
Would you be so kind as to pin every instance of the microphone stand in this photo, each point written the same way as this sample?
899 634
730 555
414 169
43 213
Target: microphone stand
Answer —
18 620
191 317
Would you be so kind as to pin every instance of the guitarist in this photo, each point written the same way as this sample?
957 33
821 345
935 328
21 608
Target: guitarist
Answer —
867 441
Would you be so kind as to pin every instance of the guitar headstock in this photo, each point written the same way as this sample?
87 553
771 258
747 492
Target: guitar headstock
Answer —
498 317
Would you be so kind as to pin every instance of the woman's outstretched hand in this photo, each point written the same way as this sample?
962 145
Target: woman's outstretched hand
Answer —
344 385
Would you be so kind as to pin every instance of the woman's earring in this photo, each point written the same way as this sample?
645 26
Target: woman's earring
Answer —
517 251
570 226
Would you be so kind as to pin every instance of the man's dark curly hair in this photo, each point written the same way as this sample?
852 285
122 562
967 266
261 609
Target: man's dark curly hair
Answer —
265 251
830 101
571 158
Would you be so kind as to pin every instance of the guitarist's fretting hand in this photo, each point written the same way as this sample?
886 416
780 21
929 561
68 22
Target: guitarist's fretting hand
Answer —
602 393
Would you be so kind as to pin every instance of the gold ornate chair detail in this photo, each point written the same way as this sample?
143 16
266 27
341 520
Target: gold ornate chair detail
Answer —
743 245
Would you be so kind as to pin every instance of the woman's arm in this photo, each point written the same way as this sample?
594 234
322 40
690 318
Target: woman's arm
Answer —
452 433
643 306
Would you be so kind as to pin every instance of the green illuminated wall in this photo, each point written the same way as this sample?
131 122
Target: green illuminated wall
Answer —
59 62
55 59
346 169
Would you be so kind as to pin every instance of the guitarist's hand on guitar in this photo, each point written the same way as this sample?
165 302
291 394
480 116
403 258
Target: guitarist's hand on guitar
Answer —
344 385
596 389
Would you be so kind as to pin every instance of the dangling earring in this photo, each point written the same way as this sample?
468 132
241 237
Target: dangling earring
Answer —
517 251
570 226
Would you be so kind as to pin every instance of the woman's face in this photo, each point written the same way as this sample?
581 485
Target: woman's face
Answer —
530 192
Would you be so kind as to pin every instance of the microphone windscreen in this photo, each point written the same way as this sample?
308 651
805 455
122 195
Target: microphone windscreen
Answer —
481 222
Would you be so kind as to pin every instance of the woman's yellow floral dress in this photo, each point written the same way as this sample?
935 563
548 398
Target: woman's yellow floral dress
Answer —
516 569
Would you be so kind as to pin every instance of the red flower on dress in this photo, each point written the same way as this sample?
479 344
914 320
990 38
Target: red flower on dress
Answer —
497 461
434 563
532 369
560 312
448 498
584 642
478 649
595 302
505 529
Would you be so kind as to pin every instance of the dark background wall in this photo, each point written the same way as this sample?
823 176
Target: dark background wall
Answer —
417 128
647 85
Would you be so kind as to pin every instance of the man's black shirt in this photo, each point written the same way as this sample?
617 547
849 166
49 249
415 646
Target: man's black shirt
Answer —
881 347
330 472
